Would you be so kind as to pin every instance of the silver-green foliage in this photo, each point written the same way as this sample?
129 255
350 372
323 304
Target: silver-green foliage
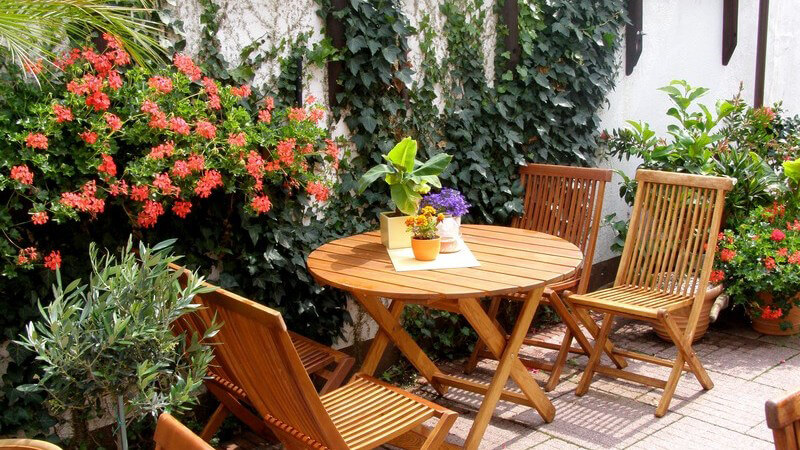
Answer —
112 338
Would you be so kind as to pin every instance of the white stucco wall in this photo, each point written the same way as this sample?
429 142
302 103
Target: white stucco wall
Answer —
683 40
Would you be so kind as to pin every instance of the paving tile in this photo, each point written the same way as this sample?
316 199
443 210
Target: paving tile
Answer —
557 444
783 375
746 358
689 433
761 431
782 341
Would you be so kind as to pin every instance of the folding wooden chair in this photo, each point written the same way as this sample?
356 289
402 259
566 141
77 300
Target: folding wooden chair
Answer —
566 202
318 360
665 266
173 435
783 417
254 344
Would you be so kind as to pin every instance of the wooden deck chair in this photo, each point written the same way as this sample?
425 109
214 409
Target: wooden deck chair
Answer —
566 202
318 360
173 435
783 417
254 344
665 266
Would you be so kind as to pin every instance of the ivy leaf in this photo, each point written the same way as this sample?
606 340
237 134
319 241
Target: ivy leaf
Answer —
356 43
390 53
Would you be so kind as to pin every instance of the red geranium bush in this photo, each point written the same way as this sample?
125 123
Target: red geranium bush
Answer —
157 143
759 262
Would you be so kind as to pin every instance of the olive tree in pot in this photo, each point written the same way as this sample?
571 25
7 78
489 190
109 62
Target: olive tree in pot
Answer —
107 348
408 180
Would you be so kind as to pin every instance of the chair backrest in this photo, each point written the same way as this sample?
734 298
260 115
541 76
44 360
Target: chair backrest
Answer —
253 349
783 417
673 231
173 435
565 201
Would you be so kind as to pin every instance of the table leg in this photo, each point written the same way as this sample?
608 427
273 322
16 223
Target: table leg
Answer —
509 364
381 340
391 326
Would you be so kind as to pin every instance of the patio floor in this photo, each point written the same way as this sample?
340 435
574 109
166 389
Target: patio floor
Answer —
747 369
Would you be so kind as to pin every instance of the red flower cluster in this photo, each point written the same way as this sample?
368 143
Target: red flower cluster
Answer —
90 137
53 260
769 263
40 218
182 208
769 313
163 182
265 116
717 276
793 226
118 188
210 180
777 235
205 129
85 200
213 93
318 190
178 125
237 139
297 114
160 84
186 66
27 256
139 193
286 151
149 215
241 92
158 119
794 258
726 255
107 166
261 204
161 151
113 122
22 174
774 211
63 114
36 141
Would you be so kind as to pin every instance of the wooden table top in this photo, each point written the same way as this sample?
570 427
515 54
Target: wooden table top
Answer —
512 260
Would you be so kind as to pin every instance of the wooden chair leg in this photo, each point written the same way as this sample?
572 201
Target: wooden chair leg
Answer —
594 330
669 389
232 404
480 347
560 361
597 351
439 432
338 375
214 422
686 349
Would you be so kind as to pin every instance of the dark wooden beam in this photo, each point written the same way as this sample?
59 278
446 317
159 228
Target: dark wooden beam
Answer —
633 35
761 52
730 29
334 29
510 17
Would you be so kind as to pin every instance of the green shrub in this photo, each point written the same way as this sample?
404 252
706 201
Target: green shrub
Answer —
106 346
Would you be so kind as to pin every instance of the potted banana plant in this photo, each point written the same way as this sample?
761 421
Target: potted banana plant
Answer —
408 179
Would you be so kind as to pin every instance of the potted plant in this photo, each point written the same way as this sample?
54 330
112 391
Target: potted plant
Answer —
760 264
453 205
425 241
408 180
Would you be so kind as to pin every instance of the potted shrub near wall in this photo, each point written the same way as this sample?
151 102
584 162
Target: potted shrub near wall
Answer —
408 180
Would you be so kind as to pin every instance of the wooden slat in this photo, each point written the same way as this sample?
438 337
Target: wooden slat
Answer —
481 388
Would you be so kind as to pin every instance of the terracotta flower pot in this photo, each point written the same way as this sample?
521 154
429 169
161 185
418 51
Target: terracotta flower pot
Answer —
681 317
773 326
426 249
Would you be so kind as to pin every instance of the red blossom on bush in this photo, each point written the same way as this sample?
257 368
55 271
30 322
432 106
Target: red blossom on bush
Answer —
22 174
269 103
316 115
36 140
85 200
181 169
27 256
90 137
113 121
185 65
241 92
178 125
318 190
149 214
150 107
261 204
63 114
770 313
237 139
196 162
297 114
777 235
163 182
783 251
205 129
118 188
140 193
182 208
98 100
53 260
310 100
211 86
158 121
107 166
210 180
793 226
726 255
794 258
214 102
717 276
264 116
286 151
114 80
769 263
164 150
255 164
40 218
160 84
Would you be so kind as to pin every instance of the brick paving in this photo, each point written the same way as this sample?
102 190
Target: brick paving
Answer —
747 369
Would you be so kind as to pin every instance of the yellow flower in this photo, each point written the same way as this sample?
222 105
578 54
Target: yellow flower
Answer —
410 221
440 217
421 220
428 211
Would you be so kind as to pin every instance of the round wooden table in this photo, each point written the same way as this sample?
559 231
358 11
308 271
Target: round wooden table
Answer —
511 260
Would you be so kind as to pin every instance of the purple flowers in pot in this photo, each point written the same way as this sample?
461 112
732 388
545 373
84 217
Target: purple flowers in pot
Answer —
448 201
